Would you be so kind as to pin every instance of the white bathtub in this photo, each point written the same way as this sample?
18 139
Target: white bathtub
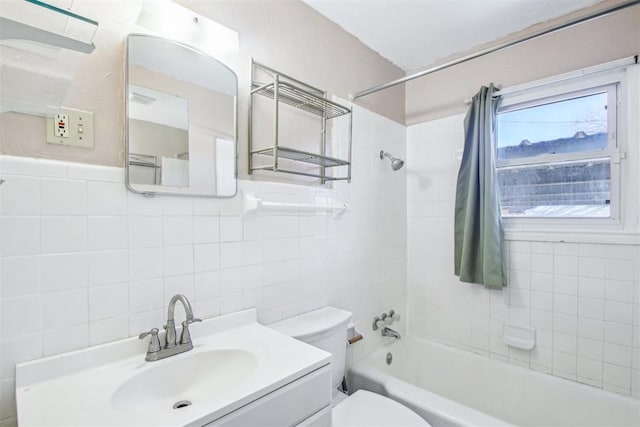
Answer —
450 387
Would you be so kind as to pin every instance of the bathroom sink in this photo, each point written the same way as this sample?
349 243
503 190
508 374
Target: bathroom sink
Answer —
185 381
234 363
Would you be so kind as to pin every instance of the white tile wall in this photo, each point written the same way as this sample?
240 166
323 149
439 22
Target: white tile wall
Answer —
582 299
84 262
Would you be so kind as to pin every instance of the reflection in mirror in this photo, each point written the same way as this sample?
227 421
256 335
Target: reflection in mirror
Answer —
156 117
181 120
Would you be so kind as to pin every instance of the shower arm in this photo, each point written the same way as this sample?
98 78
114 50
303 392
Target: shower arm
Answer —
384 154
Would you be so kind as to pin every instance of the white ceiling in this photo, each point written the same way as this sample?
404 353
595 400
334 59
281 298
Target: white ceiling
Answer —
415 33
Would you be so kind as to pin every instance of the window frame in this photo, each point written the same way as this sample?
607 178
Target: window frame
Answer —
611 82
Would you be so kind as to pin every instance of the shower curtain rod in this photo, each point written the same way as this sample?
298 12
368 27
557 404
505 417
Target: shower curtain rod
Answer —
595 69
580 20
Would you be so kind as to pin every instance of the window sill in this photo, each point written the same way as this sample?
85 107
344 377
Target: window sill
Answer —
607 237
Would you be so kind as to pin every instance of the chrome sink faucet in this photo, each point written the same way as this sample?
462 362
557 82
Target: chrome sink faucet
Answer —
156 350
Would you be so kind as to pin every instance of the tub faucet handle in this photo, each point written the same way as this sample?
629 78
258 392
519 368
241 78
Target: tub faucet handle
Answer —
393 316
377 323
388 318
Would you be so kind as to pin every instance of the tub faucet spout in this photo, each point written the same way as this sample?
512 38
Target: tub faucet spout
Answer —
388 332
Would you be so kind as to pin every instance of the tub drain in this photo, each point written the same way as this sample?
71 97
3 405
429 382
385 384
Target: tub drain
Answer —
181 404
389 358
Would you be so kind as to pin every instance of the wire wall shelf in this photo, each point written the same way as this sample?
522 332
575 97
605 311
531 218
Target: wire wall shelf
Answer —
301 156
288 90
302 99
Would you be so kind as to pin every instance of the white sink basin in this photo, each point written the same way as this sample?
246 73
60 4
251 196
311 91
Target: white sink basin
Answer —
193 378
234 362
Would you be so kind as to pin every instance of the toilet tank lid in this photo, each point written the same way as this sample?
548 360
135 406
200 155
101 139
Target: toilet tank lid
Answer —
312 322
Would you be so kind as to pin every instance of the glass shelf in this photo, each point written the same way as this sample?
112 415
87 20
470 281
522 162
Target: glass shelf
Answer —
37 21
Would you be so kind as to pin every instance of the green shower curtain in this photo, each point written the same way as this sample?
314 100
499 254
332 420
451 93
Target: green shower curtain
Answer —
478 232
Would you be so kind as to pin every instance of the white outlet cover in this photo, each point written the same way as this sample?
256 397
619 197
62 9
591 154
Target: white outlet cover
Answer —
79 125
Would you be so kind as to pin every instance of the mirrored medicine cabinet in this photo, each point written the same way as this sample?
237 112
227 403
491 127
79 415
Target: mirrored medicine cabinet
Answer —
181 124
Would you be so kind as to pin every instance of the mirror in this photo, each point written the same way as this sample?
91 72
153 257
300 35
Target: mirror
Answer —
181 107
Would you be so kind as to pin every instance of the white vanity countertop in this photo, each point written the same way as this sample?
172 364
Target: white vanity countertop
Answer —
77 388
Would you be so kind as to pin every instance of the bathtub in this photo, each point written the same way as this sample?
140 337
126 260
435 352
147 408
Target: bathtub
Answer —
452 388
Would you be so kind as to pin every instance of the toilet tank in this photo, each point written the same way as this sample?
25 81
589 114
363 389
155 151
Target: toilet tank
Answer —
325 329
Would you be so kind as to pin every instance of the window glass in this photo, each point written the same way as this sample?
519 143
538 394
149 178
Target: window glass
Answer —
577 124
554 158
572 189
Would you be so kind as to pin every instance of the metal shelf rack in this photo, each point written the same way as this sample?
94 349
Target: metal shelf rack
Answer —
288 90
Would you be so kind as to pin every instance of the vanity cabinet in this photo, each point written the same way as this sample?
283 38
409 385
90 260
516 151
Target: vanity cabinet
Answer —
303 402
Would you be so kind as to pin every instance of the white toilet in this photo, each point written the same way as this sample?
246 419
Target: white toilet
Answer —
326 329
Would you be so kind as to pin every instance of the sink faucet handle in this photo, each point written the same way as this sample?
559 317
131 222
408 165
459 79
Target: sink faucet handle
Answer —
185 337
152 332
154 343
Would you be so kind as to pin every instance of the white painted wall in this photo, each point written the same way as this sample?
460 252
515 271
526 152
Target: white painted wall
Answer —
84 262
442 94
583 299
413 38
311 48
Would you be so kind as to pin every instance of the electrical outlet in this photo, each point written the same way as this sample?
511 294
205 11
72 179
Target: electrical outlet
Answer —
61 125
71 127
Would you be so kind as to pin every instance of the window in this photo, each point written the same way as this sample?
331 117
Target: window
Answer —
556 157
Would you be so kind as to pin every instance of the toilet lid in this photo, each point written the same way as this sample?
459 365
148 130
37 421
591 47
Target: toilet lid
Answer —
364 408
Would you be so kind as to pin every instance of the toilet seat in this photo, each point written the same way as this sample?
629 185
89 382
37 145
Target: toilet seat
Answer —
364 408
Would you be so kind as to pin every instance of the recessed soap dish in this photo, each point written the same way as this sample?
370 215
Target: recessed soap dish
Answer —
517 336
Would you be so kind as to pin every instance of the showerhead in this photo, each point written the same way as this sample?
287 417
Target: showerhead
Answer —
395 163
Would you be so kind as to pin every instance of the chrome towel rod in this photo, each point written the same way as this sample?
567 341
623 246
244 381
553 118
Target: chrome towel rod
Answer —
553 29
